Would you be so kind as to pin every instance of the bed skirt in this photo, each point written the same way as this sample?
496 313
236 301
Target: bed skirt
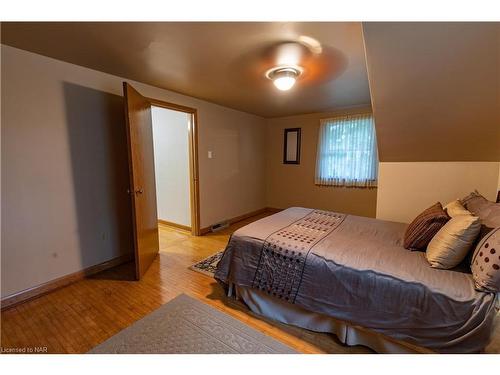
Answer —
275 309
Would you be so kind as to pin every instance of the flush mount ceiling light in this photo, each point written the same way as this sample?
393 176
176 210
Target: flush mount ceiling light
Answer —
284 77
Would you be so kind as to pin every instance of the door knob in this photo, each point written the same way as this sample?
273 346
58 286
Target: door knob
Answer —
138 191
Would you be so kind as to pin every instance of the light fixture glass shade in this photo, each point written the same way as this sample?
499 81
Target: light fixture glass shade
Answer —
284 83
283 77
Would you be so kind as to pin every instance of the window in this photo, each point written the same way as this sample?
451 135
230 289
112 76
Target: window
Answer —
347 152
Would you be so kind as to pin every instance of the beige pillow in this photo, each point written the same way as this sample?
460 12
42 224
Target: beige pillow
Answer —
456 208
452 243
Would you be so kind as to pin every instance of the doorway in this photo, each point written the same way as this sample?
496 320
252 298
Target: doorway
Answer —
175 159
142 190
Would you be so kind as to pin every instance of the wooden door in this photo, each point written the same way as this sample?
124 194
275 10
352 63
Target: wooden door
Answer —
142 178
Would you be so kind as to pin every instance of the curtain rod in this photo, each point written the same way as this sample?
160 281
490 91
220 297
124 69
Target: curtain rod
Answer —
347 116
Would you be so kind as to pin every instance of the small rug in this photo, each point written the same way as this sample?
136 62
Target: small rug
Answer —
208 266
188 326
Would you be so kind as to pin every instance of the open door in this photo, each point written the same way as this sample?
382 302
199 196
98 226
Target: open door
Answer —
142 178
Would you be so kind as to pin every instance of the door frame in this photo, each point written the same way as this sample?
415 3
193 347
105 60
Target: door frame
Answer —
194 187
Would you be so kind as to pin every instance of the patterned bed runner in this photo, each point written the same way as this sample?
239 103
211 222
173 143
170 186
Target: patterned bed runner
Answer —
284 253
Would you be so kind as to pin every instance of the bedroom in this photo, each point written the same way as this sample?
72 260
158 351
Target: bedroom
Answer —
333 170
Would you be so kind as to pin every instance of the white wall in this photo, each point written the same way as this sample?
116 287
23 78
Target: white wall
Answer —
63 168
171 152
407 188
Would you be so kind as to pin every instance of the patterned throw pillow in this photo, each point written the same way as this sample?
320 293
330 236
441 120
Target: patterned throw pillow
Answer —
421 230
466 264
486 263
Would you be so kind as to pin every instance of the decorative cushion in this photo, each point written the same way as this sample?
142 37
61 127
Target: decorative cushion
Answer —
486 263
467 262
473 201
424 227
453 241
456 208
487 211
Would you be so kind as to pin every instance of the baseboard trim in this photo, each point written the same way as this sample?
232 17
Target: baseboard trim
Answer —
175 225
37 291
243 217
274 209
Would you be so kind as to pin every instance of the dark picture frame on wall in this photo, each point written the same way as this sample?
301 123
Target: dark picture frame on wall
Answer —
291 146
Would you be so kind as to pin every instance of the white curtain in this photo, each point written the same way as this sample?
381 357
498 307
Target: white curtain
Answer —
347 152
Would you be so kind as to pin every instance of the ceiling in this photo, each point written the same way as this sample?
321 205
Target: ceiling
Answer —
224 63
435 90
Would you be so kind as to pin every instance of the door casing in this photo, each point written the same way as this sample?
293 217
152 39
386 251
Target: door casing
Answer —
193 160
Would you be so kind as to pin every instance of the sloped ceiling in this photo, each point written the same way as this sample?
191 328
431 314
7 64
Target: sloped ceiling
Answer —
435 90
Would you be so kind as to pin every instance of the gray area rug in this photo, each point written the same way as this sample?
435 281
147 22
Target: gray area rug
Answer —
208 266
188 326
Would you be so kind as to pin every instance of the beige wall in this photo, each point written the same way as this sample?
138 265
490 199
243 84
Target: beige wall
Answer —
435 90
293 185
65 208
498 176
406 189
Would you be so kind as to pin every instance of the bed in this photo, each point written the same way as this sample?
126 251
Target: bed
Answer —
351 276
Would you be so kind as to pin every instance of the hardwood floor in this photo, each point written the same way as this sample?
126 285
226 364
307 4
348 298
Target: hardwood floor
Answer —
78 317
